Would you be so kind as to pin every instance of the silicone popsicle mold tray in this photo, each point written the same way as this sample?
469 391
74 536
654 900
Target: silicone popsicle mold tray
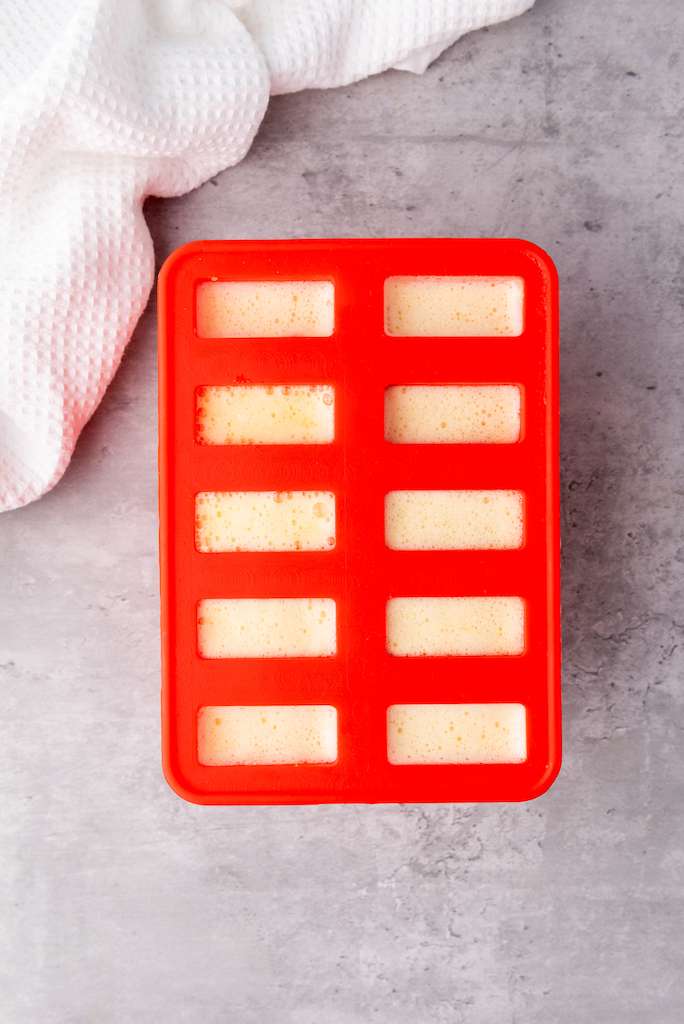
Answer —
361 680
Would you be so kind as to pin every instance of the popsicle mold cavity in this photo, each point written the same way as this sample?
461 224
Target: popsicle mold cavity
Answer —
266 414
452 414
439 626
453 520
454 306
305 734
456 734
264 521
276 627
265 309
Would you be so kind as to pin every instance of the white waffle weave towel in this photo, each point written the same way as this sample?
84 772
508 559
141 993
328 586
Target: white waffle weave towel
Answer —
105 102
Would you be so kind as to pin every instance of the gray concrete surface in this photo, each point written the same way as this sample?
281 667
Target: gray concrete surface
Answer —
125 905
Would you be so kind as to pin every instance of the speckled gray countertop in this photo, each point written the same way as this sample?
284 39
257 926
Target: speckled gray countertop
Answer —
125 904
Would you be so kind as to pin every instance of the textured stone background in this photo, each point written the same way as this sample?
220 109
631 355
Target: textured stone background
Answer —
123 903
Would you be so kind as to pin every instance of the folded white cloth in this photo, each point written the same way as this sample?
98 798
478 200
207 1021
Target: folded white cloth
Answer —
104 102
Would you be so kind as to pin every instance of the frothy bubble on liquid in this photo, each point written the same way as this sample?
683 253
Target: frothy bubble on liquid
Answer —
454 307
444 626
453 520
265 309
266 627
456 733
265 414
279 734
453 414
264 521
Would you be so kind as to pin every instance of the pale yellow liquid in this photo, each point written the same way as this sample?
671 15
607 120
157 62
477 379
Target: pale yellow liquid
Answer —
440 626
279 627
266 414
265 309
304 734
452 414
265 521
454 306
453 520
456 734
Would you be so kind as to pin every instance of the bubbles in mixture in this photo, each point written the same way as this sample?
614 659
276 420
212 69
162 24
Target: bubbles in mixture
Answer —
452 414
265 309
454 306
264 521
456 734
295 734
266 414
275 627
441 626
453 520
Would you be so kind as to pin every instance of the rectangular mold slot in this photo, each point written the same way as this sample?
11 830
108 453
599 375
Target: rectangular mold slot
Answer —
265 309
264 521
456 734
266 414
452 414
445 626
453 520
263 735
454 307
272 627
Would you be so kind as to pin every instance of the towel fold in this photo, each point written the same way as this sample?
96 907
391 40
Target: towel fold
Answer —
105 102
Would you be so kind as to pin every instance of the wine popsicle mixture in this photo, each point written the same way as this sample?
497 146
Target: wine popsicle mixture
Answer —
414 520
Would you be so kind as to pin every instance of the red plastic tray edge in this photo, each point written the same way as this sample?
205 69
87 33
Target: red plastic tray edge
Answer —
184 789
